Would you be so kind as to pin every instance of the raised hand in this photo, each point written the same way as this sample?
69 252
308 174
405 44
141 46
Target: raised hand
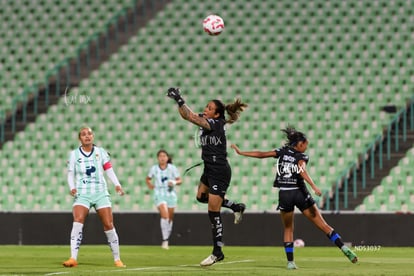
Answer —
174 93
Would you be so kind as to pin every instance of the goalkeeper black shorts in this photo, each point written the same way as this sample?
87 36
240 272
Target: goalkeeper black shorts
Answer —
217 178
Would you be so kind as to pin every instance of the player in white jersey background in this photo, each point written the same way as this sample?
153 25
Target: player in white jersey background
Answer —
162 179
86 166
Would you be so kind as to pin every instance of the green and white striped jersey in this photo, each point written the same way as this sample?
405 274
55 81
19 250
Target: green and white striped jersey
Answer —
160 178
88 169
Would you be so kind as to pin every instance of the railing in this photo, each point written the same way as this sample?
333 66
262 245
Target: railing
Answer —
403 120
117 24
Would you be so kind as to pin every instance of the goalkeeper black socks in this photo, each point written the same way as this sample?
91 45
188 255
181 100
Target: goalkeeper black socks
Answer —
336 239
289 251
229 204
235 207
217 232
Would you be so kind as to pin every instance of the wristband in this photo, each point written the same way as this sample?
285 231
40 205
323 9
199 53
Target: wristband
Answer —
180 101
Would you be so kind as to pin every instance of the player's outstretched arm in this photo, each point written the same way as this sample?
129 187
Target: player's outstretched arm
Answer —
255 154
185 111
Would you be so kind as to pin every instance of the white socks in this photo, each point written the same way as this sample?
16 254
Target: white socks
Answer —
113 243
170 225
165 229
75 239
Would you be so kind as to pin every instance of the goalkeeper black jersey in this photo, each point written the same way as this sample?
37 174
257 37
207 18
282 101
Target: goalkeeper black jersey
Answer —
214 142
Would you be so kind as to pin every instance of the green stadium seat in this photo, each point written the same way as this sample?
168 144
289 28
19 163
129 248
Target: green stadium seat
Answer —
331 86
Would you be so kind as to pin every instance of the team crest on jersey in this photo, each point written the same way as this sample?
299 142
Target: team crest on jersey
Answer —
97 156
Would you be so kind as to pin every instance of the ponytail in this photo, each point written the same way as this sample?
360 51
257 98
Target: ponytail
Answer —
293 136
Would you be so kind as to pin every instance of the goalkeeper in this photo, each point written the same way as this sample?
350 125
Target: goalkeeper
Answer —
216 176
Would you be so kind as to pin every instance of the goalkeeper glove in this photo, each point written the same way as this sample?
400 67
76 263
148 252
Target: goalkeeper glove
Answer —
174 93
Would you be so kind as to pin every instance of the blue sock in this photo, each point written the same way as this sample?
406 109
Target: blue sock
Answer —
289 251
336 239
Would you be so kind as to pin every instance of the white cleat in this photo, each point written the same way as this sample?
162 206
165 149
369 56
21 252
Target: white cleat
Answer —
291 265
212 259
239 215
164 245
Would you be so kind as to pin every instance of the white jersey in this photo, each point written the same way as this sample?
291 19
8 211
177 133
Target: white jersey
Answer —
88 170
160 178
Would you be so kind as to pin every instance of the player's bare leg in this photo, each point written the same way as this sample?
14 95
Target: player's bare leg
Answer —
288 227
313 214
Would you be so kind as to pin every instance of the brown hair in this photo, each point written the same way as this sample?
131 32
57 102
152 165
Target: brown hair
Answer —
166 153
233 110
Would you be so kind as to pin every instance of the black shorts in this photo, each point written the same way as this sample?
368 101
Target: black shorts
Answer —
217 178
300 198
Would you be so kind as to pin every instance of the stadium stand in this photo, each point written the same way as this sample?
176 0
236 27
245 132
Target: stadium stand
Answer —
396 191
325 67
37 35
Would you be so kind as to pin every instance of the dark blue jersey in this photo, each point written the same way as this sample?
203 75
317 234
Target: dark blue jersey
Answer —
287 168
214 142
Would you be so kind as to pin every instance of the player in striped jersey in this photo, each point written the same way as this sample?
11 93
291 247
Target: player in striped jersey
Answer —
162 179
86 166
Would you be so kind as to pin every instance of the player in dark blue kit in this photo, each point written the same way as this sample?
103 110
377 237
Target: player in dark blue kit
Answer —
290 178
217 172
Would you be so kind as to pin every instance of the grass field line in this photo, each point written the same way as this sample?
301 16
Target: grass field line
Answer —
221 263
146 268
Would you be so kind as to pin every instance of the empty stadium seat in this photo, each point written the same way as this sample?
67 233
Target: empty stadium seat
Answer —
312 69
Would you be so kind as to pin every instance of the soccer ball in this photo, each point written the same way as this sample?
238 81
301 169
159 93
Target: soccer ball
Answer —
213 24
298 243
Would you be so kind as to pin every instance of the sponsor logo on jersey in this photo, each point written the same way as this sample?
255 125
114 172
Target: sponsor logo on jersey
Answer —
287 169
90 170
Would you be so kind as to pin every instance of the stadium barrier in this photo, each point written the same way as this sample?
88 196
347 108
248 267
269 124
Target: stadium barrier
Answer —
256 229
395 130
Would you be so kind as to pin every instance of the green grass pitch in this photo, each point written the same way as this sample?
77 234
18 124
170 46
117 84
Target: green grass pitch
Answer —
184 260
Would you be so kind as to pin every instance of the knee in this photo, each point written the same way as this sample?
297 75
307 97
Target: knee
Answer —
203 198
108 226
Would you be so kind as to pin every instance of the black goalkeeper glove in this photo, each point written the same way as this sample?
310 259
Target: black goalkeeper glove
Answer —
174 93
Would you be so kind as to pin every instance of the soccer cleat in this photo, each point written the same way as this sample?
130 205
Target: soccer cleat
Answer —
71 262
119 263
164 245
239 214
212 259
350 254
291 265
